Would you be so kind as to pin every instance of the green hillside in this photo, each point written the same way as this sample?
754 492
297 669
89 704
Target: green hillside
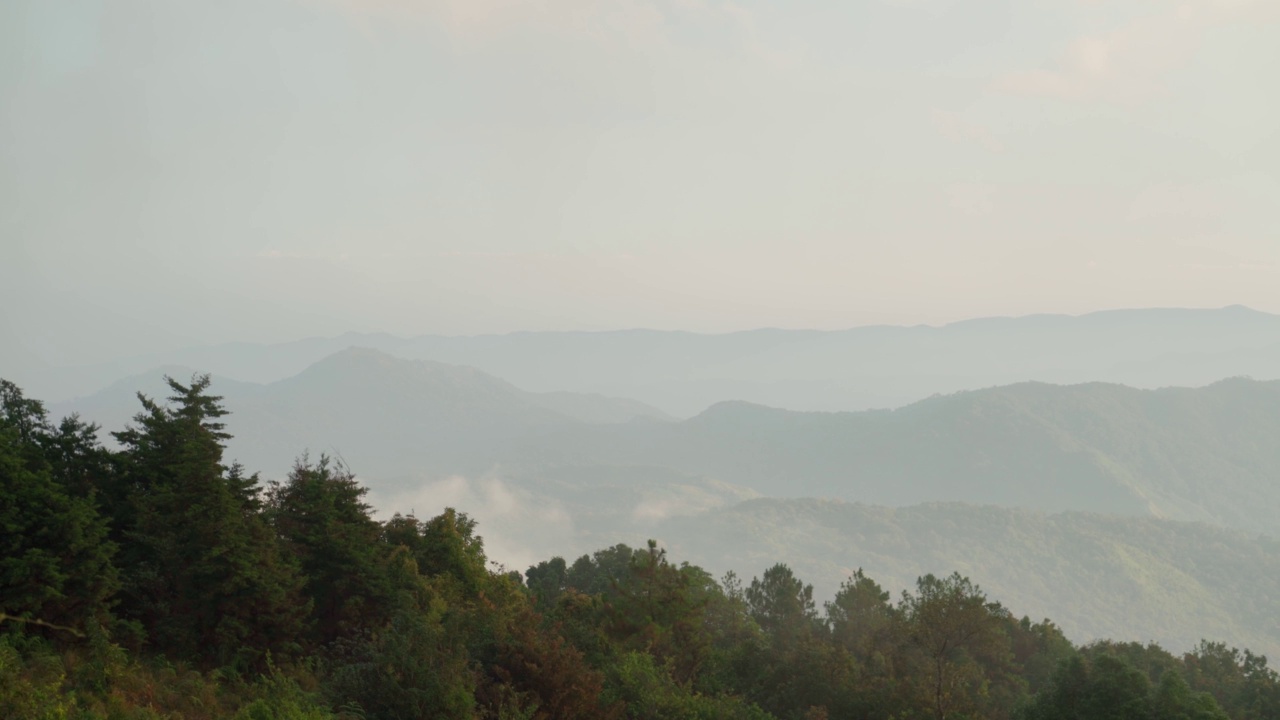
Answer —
1208 454
1126 578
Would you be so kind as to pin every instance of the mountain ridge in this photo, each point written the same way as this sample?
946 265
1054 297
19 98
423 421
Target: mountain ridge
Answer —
1183 453
863 367
362 394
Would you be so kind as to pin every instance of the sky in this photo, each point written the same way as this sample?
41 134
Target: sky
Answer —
178 172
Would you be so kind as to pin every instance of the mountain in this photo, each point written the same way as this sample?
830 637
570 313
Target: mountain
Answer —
860 368
1206 454
387 416
1096 576
545 476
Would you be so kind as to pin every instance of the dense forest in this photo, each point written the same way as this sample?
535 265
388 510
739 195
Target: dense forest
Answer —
154 580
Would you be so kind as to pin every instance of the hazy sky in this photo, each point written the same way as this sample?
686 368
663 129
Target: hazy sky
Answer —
269 169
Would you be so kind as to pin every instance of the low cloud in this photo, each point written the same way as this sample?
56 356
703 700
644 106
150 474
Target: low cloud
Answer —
519 528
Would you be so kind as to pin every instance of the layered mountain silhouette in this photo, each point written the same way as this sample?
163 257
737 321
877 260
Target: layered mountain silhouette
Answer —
569 472
861 368
384 415
1194 454
1205 454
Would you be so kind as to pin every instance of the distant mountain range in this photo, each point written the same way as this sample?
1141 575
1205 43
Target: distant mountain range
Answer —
1207 454
385 415
564 473
861 368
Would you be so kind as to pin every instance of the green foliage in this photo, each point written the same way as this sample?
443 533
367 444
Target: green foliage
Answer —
539 672
1095 575
1240 681
204 574
860 615
320 515
600 572
283 699
955 637
55 558
657 608
32 691
781 603
649 693
445 546
1108 687
415 667
547 581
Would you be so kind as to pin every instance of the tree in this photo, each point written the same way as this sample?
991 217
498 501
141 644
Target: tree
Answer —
1240 681
1175 700
55 557
77 459
320 514
600 572
547 581
415 667
1038 648
950 622
538 671
204 575
1114 690
781 603
796 670
860 615
656 609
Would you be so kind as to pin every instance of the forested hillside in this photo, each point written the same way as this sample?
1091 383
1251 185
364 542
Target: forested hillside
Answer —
1193 454
1097 576
156 581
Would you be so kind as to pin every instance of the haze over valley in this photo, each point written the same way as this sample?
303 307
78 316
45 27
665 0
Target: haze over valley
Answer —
639 360
566 472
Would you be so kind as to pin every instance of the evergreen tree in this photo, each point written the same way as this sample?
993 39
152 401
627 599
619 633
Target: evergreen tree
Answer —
55 557
860 616
781 603
797 669
656 609
204 575
320 514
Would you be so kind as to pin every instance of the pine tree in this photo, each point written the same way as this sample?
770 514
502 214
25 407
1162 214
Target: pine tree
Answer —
55 557
204 574
321 516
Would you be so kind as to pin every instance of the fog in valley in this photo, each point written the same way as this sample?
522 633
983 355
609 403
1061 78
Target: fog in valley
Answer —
887 289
